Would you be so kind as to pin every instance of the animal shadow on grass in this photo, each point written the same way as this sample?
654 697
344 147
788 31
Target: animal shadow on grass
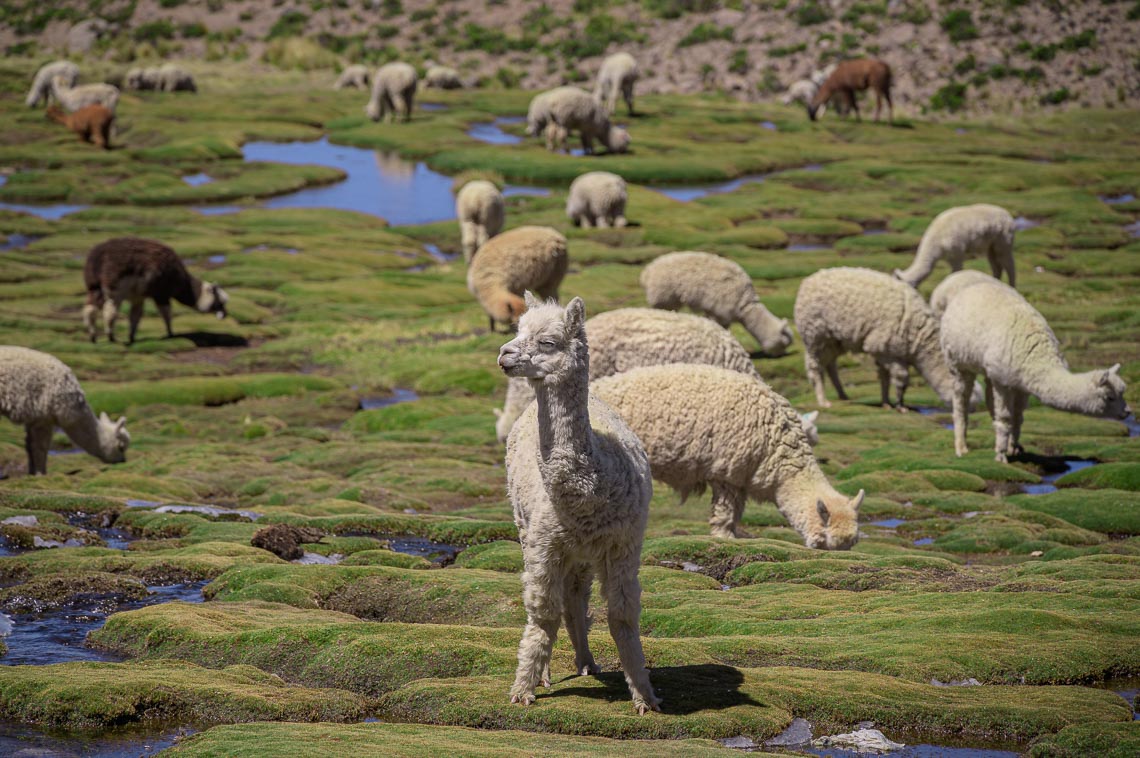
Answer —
1048 464
212 339
683 690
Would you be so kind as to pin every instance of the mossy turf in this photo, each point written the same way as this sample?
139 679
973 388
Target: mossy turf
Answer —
331 311
421 741
86 695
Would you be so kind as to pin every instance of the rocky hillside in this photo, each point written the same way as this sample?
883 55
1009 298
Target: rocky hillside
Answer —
992 55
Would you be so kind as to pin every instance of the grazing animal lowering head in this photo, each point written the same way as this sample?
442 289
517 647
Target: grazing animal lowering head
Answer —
838 524
618 139
113 438
372 110
551 343
213 300
55 113
1109 391
777 345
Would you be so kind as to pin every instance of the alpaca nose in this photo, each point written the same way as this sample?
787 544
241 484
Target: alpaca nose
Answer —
509 356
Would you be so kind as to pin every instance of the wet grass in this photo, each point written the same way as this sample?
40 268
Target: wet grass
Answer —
261 412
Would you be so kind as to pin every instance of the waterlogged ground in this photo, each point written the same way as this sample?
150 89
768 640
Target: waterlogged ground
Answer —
352 391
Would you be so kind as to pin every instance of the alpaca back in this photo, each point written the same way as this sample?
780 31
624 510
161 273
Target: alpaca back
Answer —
35 386
145 266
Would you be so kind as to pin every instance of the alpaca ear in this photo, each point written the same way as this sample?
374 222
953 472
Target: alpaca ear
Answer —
1115 369
530 300
897 274
576 316
857 501
812 416
498 412
1105 379
121 423
104 418
824 514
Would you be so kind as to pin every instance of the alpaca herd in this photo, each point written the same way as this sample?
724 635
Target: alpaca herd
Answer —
598 408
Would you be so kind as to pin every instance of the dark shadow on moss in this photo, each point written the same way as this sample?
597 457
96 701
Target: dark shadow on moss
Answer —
684 690
213 339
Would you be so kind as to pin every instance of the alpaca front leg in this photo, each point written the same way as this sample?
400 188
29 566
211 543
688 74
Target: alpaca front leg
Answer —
1003 416
900 378
542 596
815 378
963 388
37 442
134 317
164 311
833 374
89 315
110 313
1017 412
623 596
727 508
884 384
576 614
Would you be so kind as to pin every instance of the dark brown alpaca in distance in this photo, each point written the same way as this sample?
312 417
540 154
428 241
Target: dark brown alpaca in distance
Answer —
92 123
133 269
854 76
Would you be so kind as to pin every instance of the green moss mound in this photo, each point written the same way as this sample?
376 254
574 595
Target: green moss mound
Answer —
1108 511
420 741
86 695
1108 740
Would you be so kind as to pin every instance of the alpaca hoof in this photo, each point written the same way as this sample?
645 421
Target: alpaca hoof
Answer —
886 406
1001 458
544 682
961 451
590 669
644 708
526 699
902 408
824 403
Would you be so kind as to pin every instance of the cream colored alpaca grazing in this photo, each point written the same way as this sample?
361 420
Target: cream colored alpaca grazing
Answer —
965 232
988 328
74 98
40 392
709 426
579 481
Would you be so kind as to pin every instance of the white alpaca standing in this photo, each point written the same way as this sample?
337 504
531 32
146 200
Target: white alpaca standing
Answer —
988 328
618 74
74 98
41 84
579 481
40 392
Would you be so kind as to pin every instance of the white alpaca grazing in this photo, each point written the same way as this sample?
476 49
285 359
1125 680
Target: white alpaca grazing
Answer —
988 328
579 481
40 392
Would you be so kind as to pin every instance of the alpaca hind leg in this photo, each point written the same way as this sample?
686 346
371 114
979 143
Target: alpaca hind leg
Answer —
542 596
576 615
623 597
727 508
627 94
92 307
37 441
469 236
1003 416
884 384
963 388
815 378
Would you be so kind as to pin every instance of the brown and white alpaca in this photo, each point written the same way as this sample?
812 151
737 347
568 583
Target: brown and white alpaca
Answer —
74 98
133 269
989 328
92 123
580 485
40 392
854 76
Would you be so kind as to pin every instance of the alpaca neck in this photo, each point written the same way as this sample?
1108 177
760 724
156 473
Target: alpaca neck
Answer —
565 440
1059 388
921 266
796 495
755 318
931 363
83 430
188 292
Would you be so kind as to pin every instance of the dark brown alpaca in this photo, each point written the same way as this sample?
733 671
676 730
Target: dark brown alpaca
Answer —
133 269
854 76
92 123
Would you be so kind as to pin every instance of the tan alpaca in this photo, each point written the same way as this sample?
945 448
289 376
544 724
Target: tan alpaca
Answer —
92 123
579 481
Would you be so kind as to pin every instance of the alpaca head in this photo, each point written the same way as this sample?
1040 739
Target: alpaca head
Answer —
372 110
1108 390
113 438
55 113
212 299
617 140
776 344
835 523
551 343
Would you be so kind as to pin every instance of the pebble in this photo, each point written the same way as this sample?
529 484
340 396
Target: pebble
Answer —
798 733
861 741
21 520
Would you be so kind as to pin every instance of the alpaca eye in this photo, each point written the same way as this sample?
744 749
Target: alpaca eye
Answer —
548 344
